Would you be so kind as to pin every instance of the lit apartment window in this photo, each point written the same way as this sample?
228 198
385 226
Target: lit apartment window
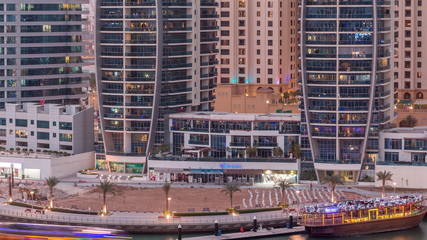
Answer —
241 3
419 74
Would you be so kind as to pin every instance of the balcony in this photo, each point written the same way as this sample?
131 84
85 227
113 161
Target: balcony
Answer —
198 142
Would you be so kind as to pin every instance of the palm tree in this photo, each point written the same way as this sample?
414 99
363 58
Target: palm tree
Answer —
384 176
166 188
106 187
230 189
282 185
51 183
409 121
333 181
277 152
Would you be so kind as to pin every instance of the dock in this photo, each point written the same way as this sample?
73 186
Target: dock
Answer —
247 235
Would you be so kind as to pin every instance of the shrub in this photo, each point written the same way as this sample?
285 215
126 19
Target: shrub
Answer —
12 149
254 210
38 150
31 150
18 149
25 150
64 210
191 214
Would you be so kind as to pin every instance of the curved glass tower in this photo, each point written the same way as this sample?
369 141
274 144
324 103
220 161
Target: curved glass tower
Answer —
154 57
345 73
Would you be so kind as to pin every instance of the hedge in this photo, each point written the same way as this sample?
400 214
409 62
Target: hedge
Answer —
19 204
191 214
64 210
254 210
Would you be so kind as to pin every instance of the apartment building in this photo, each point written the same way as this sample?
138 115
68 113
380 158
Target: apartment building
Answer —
410 69
259 42
153 58
51 127
42 51
347 92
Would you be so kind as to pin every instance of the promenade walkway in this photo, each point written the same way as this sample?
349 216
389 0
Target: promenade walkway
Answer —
248 235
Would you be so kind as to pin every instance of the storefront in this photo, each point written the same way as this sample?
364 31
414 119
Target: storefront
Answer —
121 167
273 176
6 169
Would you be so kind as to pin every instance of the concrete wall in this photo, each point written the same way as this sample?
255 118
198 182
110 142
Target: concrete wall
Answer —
404 176
67 166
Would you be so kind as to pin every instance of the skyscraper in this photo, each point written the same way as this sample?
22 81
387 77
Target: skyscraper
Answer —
346 80
154 58
42 48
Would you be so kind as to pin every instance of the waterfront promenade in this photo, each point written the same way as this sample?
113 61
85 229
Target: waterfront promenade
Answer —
144 222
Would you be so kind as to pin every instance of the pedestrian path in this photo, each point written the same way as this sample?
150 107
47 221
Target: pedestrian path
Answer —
247 235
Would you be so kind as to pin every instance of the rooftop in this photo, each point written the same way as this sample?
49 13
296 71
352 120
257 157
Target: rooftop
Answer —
422 129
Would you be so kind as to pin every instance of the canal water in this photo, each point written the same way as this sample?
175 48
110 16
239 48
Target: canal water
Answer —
417 233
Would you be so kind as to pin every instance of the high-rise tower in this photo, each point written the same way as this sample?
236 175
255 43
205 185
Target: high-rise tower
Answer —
154 57
42 48
346 82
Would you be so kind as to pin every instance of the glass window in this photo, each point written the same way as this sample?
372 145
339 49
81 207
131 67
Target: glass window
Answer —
65 126
21 123
390 143
65 137
42 124
43 135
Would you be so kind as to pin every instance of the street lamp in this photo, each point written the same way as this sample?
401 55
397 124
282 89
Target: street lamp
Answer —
394 188
32 199
169 203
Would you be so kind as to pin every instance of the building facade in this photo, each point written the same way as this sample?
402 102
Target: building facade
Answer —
346 81
42 47
410 52
259 42
255 98
31 127
214 146
153 58
403 152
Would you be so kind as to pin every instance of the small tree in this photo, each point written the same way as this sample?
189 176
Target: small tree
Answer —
166 188
295 149
282 185
163 149
384 176
277 152
333 181
51 183
106 187
409 121
251 151
230 189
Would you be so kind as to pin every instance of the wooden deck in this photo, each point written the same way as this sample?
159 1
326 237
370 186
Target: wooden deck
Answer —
247 235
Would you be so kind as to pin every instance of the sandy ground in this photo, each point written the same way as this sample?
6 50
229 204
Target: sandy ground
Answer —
153 199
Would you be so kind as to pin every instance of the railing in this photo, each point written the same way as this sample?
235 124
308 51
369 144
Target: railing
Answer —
184 159
133 220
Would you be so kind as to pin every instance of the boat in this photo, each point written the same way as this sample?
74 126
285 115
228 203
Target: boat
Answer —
361 217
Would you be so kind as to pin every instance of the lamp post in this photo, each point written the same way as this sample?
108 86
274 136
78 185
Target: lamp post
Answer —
32 199
10 189
394 188
169 203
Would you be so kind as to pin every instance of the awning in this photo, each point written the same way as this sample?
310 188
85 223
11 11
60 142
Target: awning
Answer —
421 101
404 101
242 171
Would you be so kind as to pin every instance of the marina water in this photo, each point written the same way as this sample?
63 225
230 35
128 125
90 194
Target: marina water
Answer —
417 233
